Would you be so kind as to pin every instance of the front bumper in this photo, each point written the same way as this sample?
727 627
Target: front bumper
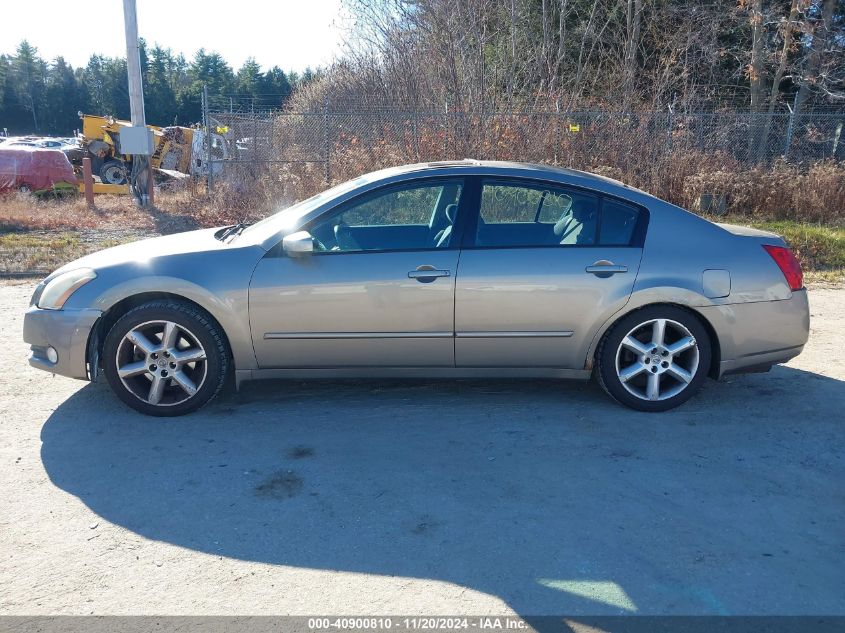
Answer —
67 331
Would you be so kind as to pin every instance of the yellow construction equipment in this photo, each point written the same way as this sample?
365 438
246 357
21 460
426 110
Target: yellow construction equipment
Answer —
178 151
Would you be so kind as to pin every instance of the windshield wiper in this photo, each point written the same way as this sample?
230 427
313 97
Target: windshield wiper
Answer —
235 229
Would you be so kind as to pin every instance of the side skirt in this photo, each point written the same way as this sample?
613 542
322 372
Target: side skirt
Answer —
432 373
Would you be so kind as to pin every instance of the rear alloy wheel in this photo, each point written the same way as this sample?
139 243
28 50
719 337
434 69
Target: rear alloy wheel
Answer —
165 358
654 359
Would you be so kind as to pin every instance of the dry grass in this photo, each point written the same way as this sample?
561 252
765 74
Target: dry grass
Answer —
798 198
43 252
24 252
630 150
245 194
824 278
21 212
779 192
41 235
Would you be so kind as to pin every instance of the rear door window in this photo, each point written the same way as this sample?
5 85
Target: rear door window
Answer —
526 214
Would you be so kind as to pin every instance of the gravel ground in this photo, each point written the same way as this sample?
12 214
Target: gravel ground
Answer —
460 497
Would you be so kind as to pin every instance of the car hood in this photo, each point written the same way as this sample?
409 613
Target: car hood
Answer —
202 240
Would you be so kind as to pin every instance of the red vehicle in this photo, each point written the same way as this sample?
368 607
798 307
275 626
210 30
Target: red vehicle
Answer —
36 170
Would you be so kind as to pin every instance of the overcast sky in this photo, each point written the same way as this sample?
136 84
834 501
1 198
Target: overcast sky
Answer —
290 34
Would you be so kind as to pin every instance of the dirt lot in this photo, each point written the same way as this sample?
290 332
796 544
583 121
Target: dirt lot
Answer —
426 497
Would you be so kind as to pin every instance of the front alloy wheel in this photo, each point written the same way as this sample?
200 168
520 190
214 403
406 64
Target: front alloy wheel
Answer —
165 358
654 359
161 362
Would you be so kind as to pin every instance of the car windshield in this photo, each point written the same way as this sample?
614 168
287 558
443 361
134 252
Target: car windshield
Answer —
284 220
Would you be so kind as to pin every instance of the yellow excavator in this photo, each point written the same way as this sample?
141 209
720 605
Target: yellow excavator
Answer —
177 151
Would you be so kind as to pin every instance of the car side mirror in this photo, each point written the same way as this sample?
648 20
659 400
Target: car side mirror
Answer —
299 243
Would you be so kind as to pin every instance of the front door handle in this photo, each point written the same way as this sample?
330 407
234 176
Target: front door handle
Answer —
604 268
426 274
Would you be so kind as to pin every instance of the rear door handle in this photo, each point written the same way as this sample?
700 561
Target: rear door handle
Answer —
604 268
426 274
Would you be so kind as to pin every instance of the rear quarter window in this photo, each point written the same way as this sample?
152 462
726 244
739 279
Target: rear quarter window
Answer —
618 223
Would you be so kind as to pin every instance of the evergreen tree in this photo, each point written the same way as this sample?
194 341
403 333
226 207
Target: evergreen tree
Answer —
4 73
159 96
45 98
63 97
27 74
207 69
278 85
105 81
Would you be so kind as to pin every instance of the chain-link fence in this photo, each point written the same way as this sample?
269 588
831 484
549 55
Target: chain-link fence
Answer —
659 151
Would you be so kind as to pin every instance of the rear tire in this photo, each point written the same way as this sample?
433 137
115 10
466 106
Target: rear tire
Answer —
113 172
166 358
654 359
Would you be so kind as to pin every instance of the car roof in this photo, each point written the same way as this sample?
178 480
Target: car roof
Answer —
510 168
488 164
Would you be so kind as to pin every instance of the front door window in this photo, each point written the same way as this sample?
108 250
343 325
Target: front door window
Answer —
408 218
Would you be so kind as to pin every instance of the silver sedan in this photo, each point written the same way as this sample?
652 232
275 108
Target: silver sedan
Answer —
443 270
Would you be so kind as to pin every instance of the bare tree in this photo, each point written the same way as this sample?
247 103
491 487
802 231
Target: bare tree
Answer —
788 27
756 69
812 79
633 19
476 55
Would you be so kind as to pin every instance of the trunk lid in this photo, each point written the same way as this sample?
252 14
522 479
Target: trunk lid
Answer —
747 231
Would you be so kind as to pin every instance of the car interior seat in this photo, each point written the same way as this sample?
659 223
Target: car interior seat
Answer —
441 240
577 225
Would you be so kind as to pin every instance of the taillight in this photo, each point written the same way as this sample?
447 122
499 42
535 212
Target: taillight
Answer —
788 265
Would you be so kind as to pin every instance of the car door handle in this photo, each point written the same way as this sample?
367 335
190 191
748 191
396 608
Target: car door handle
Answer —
426 274
604 268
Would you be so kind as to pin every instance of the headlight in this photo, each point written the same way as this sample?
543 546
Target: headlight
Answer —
59 289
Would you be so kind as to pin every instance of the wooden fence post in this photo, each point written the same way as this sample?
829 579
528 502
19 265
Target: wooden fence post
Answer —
88 181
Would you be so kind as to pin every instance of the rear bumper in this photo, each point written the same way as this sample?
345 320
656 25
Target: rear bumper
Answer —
67 331
758 362
759 334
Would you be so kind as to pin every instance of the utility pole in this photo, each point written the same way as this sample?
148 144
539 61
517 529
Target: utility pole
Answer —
137 140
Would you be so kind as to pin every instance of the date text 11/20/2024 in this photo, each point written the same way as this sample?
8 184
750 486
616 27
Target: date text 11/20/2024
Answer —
484 623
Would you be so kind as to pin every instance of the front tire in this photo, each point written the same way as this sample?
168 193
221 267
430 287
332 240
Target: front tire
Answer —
654 359
165 358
